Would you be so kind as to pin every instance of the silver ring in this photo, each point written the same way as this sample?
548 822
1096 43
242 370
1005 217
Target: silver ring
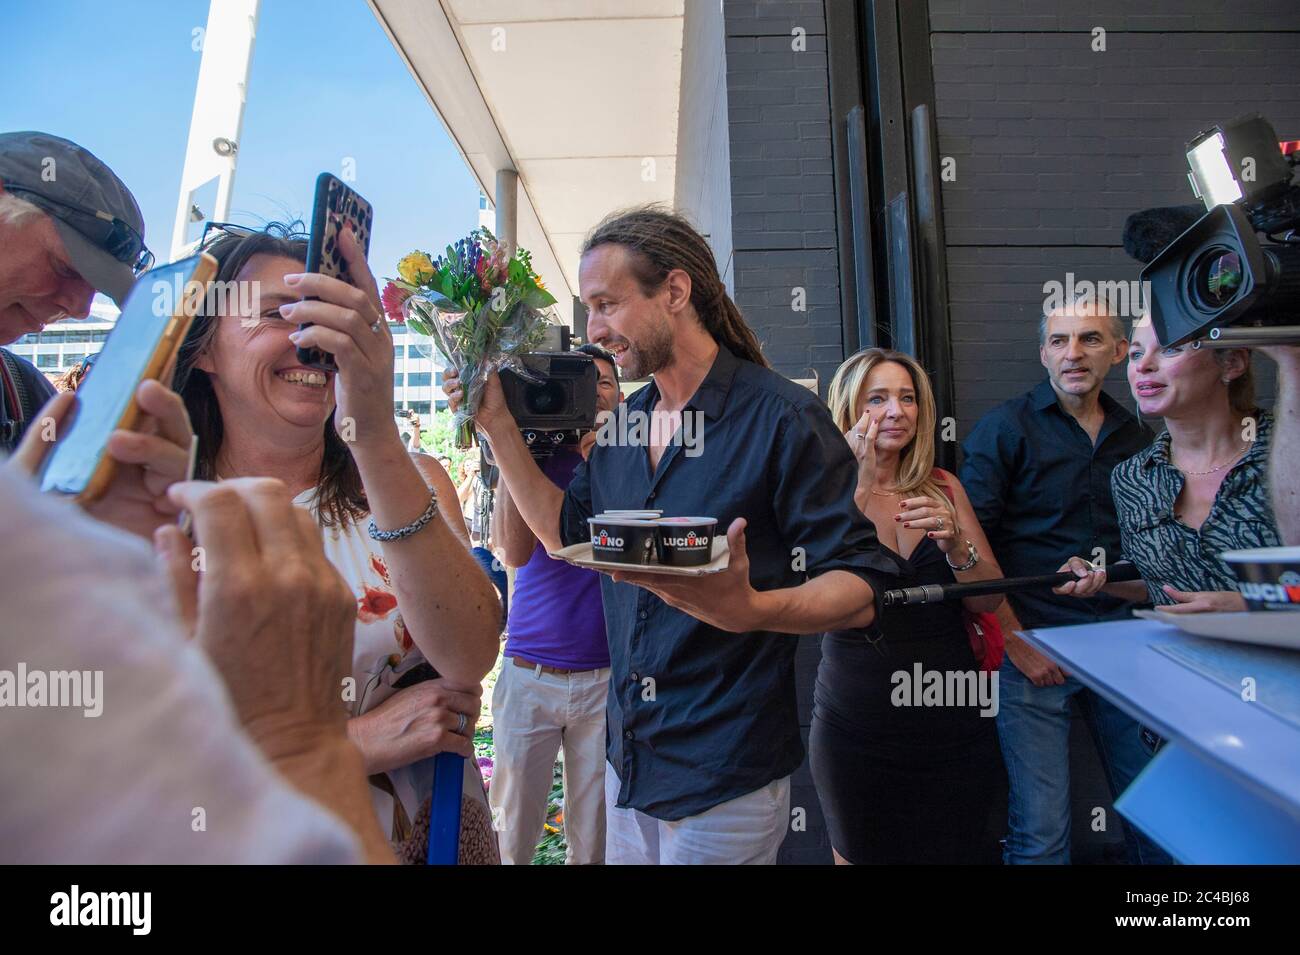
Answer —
461 723
375 327
939 525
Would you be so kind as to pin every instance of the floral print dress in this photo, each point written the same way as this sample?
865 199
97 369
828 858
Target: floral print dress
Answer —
383 652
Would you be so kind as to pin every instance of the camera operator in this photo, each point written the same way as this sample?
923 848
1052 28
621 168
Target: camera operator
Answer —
703 729
553 683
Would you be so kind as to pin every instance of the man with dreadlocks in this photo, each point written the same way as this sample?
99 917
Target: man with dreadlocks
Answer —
703 732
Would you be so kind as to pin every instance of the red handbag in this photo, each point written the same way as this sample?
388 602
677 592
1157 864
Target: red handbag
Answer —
986 640
982 629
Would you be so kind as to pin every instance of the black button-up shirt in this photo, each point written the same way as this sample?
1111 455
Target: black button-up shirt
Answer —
1041 491
696 715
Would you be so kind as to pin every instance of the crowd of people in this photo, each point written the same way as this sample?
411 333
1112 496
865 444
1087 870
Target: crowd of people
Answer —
277 680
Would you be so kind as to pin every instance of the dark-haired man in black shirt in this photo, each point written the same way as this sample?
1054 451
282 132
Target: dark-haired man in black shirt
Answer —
703 732
1037 470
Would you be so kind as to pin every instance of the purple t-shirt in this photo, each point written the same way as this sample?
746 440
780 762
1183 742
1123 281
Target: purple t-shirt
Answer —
556 616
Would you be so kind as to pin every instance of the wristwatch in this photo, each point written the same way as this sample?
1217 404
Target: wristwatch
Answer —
970 561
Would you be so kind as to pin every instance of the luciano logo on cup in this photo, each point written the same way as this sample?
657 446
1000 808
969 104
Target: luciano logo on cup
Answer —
1286 590
689 541
604 540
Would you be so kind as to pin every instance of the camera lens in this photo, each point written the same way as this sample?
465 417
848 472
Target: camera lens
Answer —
545 399
1218 277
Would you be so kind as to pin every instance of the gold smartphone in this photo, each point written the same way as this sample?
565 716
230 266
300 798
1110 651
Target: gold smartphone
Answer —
143 343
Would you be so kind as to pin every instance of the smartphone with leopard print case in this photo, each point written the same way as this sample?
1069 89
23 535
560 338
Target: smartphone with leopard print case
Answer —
337 206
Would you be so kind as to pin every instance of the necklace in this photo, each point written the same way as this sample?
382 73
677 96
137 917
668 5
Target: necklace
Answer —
893 493
1220 467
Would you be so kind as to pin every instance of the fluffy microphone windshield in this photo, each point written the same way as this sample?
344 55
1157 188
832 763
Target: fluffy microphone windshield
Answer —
1146 233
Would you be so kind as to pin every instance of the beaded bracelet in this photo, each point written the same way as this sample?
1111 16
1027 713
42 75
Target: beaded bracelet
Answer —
395 535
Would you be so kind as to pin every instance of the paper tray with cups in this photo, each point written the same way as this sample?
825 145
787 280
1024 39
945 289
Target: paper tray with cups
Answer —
1269 581
645 541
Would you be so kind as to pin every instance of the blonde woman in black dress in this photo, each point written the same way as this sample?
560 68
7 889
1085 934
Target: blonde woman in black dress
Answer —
905 783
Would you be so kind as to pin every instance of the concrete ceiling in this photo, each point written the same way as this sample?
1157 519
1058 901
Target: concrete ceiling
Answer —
579 96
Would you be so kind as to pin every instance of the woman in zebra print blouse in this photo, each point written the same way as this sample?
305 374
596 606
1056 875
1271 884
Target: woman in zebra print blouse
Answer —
1199 489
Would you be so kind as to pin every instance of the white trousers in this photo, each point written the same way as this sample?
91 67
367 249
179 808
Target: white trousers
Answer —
534 714
747 830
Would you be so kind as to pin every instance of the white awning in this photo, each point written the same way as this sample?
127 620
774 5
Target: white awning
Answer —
579 97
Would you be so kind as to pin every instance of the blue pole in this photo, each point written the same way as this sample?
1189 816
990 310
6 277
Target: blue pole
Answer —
444 813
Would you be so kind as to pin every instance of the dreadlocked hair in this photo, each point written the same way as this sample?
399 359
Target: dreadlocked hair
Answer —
659 242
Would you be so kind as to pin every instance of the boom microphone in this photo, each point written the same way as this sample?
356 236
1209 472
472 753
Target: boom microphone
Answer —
1147 233
1118 572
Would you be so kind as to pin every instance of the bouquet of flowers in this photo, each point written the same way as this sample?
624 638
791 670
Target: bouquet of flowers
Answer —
482 307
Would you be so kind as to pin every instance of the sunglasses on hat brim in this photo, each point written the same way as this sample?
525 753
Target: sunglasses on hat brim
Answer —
115 236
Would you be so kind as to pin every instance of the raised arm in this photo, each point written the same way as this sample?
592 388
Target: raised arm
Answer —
449 606
509 529
539 501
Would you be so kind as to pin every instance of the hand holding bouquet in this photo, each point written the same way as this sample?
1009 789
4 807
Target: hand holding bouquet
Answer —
482 307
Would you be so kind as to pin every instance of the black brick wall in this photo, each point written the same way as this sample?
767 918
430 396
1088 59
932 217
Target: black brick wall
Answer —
1056 145
782 182
783 235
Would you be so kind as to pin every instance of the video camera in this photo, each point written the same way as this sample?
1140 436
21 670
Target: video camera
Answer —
554 400
1218 273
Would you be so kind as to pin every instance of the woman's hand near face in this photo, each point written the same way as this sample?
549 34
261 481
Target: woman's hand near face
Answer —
862 441
349 322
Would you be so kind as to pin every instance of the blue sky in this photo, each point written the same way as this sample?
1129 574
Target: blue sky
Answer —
119 79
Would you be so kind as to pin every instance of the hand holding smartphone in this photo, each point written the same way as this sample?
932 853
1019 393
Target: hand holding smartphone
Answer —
337 207
143 343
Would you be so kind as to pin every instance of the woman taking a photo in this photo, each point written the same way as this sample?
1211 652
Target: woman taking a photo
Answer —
903 783
1199 490
426 616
